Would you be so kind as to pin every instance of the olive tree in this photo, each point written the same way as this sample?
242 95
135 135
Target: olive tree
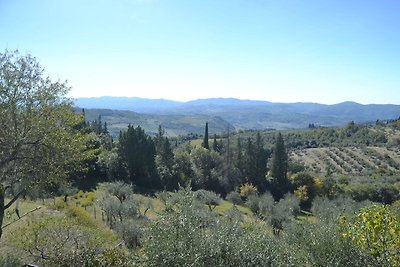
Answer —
40 141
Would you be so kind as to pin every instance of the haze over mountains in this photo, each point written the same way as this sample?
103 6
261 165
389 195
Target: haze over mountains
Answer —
184 117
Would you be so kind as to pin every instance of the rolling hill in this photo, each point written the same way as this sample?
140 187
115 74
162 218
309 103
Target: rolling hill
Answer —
174 125
241 114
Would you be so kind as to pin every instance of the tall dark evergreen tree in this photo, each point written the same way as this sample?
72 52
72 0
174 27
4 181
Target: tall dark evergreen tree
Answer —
239 155
165 161
261 155
216 145
279 183
205 141
105 129
254 163
249 159
99 125
138 151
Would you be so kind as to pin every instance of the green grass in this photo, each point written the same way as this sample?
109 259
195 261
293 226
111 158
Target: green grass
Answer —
224 206
24 206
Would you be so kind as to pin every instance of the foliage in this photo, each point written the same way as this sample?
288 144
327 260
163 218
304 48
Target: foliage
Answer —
206 166
234 197
40 140
189 235
208 198
277 214
165 161
253 162
376 230
205 139
279 184
137 151
321 244
55 241
121 210
130 232
114 168
10 261
282 213
306 187
331 209
119 189
247 190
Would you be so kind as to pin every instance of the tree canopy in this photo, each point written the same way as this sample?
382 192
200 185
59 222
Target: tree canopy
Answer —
279 165
39 140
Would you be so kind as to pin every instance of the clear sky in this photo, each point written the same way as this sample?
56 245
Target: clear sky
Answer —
277 50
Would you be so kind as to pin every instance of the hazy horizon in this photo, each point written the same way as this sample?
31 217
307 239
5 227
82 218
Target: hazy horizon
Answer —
244 99
279 51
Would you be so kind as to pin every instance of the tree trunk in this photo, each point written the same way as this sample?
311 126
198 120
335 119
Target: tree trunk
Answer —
4 206
2 193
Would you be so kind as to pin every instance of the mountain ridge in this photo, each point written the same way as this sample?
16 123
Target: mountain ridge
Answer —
249 114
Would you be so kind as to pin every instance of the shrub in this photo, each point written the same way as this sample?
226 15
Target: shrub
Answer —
234 197
331 210
119 189
130 232
189 235
321 244
10 261
60 241
253 203
247 190
376 230
208 198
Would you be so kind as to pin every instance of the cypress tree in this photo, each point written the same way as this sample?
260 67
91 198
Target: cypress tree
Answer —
105 130
137 150
99 128
239 155
279 165
205 141
216 145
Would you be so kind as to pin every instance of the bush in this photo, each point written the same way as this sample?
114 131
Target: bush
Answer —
253 203
266 204
376 230
247 190
331 210
234 197
10 261
61 241
284 212
189 235
119 189
130 232
321 244
208 198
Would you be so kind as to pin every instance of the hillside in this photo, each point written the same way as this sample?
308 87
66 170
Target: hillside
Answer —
356 149
351 160
174 125
250 114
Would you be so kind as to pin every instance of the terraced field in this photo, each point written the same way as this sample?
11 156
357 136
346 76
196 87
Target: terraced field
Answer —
350 160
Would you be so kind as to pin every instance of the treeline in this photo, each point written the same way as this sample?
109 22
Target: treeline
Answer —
352 134
155 163
222 166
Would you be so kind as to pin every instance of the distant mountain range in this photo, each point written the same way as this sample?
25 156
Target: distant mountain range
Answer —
183 117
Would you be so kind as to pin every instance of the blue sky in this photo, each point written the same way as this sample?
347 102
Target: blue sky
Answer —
281 51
